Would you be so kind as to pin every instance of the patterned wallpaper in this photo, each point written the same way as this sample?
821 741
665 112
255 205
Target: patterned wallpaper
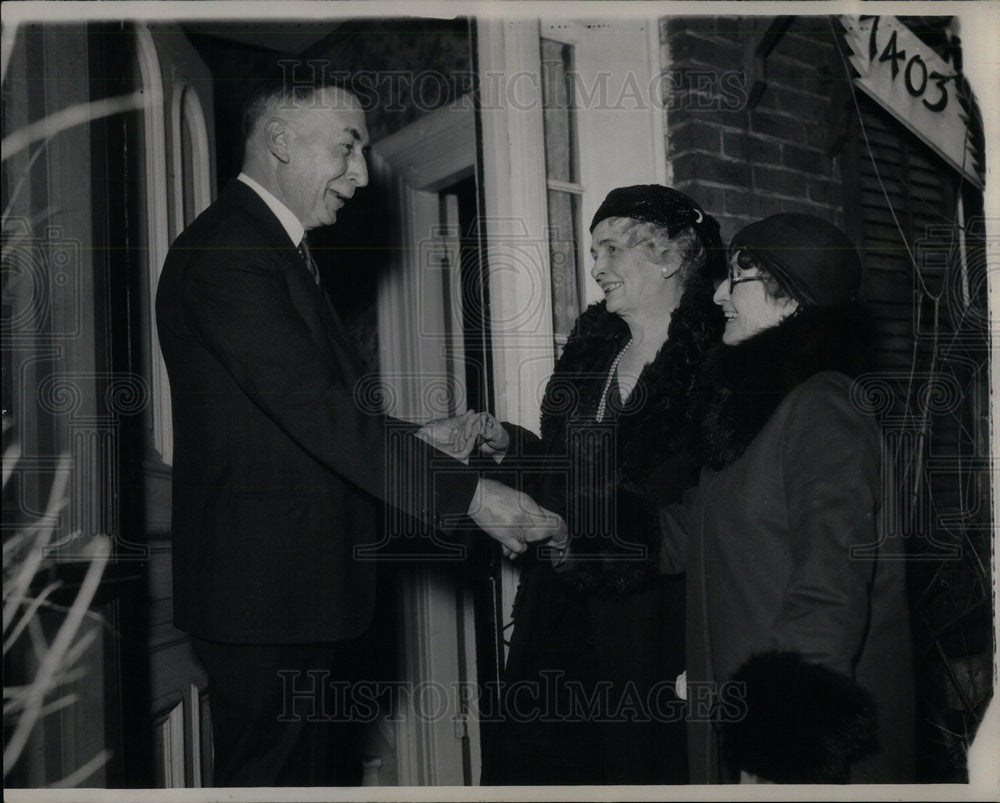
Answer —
400 69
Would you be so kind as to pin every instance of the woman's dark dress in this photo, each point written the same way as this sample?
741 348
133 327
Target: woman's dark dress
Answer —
588 693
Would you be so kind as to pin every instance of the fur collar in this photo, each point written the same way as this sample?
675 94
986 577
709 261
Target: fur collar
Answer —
742 385
653 438
653 423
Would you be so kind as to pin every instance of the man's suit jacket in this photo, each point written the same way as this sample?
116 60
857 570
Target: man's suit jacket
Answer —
277 473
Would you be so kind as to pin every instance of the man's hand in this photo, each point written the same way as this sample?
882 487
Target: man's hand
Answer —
513 518
447 435
460 435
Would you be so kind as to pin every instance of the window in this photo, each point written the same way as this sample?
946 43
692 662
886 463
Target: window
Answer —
564 190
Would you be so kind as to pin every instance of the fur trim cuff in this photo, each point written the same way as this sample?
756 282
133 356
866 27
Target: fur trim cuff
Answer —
797 723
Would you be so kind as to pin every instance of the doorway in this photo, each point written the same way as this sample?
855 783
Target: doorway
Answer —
434 360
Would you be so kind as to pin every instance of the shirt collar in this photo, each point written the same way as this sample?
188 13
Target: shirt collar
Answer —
286 217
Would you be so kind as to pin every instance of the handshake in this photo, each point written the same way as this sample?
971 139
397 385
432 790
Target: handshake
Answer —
511 517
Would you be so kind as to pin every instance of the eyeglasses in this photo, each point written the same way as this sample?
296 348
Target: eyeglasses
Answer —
742 261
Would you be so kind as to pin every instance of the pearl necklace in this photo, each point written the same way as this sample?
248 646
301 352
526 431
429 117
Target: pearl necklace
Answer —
603 406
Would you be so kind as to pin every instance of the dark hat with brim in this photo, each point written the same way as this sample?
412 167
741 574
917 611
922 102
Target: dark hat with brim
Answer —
809 257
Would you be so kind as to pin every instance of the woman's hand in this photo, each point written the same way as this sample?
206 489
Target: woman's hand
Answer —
446 435
559 547
459 435
489 433
513 518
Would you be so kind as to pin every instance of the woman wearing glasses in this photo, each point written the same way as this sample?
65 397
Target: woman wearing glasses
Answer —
779 539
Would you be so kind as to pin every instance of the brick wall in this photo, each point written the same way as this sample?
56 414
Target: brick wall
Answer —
780 156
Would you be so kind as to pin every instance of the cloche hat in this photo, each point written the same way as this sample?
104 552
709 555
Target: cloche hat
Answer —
811 258
669 208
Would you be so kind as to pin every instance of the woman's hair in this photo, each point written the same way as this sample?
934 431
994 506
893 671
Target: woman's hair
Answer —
774 289
655 240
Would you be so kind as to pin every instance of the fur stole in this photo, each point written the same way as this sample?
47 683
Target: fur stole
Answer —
651 461
646 425
742 385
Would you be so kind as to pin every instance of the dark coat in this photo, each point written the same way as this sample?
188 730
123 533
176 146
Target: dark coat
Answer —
606 619
780 539
277 472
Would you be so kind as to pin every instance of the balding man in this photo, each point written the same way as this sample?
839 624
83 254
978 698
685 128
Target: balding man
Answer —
278 476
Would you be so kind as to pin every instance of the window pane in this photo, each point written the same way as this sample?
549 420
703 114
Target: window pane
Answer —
563 237
557 110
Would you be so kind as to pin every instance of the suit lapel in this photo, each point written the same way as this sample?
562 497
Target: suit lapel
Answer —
316 309
312 303
341 337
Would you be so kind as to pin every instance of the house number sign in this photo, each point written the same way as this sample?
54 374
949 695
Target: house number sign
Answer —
914 84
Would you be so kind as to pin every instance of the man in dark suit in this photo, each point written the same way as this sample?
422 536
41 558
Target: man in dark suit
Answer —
278 476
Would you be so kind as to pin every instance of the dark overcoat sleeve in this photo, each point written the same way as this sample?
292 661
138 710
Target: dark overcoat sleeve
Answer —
831 460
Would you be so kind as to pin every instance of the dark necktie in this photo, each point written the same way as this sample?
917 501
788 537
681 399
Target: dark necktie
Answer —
350 361
307 257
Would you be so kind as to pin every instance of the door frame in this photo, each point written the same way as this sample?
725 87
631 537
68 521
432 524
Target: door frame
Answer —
420 345
171 73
